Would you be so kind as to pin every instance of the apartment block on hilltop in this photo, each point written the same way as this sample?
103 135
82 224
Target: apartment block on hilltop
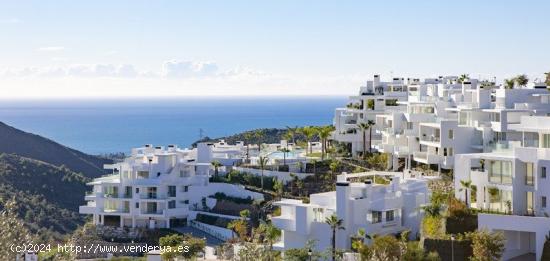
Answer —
379 209
157 187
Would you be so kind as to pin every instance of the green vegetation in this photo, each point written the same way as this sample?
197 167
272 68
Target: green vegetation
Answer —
32 146
222 196
335 224
13 231
487 246
48 196
213 220
177 242
247 179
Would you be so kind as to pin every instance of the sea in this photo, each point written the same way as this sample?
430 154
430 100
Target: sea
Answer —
97 126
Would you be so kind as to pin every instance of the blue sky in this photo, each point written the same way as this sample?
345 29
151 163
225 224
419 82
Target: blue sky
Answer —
166 48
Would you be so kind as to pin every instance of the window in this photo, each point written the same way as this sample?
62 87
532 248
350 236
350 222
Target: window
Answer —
546 140
172 204
137 204
128 192
390 215
529 173
500 172
376 217
151 192
151 207
186 202
171 191
543 172
137 190
143 174
530 207
451 134
543 202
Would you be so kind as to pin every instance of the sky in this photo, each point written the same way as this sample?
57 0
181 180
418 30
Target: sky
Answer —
133 48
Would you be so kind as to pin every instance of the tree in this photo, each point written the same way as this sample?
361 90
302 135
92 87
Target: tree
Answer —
324 133
172 241
248 136
521 80
364 126
463 78
271 234
309 132
547 81
302 254
278 187
262 162
386 248
509 83
487 246
334 166
259 135
432 210
240 226
284 151
13 230
335 224
292 131
216 164
358 244
466 186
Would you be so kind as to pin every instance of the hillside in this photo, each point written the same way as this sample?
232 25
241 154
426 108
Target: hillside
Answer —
47 196
14 141
272 135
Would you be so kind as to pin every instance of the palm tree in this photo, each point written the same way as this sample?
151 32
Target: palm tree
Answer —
335 223
284 151
309 132
466 186
248 136
364 126
432 210
278 187
324 134
334 165
463 78
521 80
216 164
292 131
271 234
509 83
259 135
262 162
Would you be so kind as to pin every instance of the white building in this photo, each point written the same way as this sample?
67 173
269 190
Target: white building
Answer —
379 209
513 179
157 187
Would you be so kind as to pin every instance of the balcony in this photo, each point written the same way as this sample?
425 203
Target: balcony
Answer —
284 223
424 157
87 209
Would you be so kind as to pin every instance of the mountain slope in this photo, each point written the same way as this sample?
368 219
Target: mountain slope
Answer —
34 146
47 196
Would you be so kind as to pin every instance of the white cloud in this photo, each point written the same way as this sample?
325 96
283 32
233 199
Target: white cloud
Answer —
51 48
183 69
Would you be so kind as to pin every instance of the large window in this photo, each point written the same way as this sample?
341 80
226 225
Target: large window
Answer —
151 207
171 191
546 140
529 173
143 174
172 204
376 217
500 172
152 192
530 202
390 215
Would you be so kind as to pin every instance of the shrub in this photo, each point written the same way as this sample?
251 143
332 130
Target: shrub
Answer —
223 196
432 227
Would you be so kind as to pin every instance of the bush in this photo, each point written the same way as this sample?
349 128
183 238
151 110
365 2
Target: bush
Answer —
213 220
223 196
432 227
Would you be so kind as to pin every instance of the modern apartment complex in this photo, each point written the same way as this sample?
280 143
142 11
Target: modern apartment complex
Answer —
157 187
379 209
498 138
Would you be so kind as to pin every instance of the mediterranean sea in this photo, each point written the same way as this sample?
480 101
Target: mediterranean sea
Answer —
117 125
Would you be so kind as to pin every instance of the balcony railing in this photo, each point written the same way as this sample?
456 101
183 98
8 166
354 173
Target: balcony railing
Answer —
430 138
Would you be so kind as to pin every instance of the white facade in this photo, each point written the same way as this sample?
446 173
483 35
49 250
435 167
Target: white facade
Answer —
513 179
156 187
379 209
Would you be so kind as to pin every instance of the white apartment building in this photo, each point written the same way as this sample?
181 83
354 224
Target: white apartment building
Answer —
379 209
514 179
441 117
155 187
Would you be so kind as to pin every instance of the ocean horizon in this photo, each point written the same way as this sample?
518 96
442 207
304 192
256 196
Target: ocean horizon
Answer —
98 126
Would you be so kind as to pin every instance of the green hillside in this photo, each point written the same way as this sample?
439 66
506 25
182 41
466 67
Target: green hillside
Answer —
47 196
14 141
